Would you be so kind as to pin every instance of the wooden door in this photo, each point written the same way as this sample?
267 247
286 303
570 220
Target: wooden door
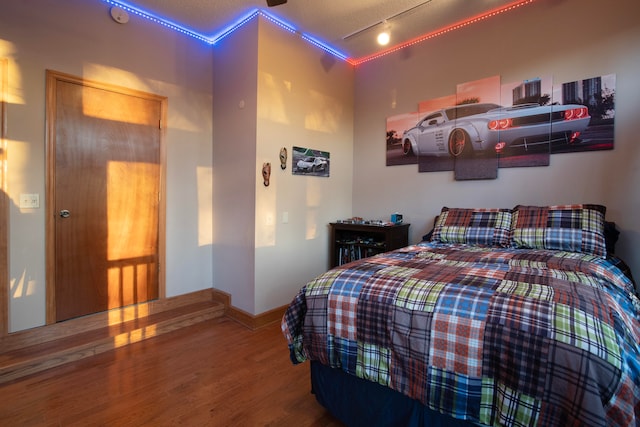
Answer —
104 196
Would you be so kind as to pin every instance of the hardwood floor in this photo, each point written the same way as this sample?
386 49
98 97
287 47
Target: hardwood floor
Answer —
214 373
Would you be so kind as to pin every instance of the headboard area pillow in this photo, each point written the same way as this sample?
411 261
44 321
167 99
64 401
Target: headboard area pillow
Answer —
572 228
488 227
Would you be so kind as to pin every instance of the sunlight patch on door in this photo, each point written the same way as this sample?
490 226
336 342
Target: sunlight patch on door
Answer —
107 105
132 223
128 282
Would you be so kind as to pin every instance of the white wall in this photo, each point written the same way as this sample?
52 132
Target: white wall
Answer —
79 38
234 153
569 40
292 94
305 99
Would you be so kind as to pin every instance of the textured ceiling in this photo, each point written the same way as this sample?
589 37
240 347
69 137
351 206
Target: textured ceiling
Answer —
348 26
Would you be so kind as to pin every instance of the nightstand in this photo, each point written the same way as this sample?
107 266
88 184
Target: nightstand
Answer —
349 242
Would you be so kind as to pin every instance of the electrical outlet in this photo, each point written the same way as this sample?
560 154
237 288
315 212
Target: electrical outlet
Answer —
29 201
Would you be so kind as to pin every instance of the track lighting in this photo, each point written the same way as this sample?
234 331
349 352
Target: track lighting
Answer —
386 24
385 36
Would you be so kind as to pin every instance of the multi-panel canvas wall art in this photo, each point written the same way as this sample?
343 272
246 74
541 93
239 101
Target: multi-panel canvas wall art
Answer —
488 124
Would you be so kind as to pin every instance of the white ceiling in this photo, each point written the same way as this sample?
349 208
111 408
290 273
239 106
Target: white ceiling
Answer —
348 26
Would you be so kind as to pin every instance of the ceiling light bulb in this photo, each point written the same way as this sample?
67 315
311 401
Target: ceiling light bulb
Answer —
383 38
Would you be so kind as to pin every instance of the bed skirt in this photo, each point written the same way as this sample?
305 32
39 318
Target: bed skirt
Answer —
357 402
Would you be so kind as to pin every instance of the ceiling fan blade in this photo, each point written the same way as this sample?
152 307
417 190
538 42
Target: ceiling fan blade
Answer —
272 3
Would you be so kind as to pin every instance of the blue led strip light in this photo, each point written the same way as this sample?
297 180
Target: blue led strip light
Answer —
231 28
324 47
158 20
278 22
256 12
227 31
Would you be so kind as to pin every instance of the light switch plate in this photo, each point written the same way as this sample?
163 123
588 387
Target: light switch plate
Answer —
29 201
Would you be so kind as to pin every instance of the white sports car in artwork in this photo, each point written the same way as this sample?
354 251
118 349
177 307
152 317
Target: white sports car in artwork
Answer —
475 128
312 164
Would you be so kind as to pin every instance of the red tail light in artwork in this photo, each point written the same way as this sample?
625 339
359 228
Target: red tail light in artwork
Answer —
574 137
500 124
576 113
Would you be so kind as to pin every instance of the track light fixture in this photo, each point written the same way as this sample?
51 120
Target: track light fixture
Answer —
385 35
383 38
386 24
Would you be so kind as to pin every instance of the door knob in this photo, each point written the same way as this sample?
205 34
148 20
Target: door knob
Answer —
65 213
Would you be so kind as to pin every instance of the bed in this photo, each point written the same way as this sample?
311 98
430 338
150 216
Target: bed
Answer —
499 317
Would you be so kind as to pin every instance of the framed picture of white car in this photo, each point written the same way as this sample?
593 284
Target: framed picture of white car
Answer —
307 161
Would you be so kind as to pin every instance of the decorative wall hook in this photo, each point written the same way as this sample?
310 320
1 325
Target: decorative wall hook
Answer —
283 158
266 173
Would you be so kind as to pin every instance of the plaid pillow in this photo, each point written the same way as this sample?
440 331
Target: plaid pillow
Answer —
572 228
488 227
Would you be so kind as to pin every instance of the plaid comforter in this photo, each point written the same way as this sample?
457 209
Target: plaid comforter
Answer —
496 336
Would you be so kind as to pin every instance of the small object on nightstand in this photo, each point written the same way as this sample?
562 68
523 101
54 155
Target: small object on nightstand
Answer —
396 218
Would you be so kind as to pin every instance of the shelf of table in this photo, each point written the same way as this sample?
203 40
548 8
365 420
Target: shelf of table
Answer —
350 242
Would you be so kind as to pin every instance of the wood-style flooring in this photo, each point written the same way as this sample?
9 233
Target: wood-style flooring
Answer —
214 373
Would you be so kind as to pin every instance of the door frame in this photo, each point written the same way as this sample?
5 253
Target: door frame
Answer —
52 77
4 203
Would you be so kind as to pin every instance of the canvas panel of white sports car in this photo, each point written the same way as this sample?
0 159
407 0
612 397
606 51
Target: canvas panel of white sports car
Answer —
476 128
312 164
